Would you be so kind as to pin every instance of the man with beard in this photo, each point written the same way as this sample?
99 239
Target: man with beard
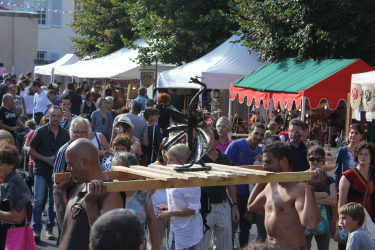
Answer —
290 207
244 152
297 145
77 212
43 146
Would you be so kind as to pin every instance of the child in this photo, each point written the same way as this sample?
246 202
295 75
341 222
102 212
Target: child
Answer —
351 219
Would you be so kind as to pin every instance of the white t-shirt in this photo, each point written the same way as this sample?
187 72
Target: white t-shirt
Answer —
41 102
187 230
352 164
29 103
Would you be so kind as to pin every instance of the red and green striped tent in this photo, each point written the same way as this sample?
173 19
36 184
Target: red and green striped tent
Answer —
287 81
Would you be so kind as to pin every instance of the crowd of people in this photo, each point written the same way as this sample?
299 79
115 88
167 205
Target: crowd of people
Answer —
78 131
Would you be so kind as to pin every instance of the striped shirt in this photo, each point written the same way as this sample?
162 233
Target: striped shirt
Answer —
60 162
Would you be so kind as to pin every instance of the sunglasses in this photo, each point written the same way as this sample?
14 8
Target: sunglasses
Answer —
294 131
75 209
103 121
318 159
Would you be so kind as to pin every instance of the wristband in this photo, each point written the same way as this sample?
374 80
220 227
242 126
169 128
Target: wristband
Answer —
309 186
235 204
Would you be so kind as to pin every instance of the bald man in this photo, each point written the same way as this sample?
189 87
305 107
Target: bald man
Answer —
78 212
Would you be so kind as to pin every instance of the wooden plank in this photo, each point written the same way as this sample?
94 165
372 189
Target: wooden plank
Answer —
202 174
166 172
256 172
238 173
59 177
144 173
255 167
221 181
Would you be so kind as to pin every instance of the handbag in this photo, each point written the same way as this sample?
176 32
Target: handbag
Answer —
20 238
324 224
341 236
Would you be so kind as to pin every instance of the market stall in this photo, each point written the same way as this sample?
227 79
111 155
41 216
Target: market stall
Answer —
314 91
362 103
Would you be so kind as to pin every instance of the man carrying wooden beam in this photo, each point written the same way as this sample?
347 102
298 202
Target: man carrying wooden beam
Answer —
78 212
290 207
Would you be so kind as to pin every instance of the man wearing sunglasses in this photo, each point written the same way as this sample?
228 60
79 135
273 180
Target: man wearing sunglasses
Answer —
223 129
290 207
297 142
46 142
97 88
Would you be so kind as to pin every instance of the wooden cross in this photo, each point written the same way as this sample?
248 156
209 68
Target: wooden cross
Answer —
161 177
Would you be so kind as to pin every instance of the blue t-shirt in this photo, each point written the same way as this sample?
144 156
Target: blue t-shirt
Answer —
140 99
239 153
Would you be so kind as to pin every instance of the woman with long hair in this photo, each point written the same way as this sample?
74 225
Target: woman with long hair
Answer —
183 208
353 182
102 119
88 104
29 102
344 156
85 88
325 196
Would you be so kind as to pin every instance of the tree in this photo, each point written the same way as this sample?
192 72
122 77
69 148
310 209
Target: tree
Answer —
307 28
103 26
179 30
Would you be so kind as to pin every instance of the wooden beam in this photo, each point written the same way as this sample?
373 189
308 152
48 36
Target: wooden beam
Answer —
246 170
221 181
59 177
255 167
145 173
166 172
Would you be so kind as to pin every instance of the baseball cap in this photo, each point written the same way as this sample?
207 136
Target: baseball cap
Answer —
124 119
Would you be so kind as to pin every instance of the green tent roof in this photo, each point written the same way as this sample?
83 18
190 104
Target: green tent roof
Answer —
290 76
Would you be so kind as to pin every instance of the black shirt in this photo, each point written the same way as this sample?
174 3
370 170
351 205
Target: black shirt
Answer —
153 148
216 194
164 118
3 90
76 102
87 109
299 154
45 143
176 101
8 117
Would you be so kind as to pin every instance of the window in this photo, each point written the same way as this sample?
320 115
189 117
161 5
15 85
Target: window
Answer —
56 17
54 56
40 7
42 55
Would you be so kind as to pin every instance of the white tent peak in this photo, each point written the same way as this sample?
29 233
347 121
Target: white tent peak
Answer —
68 59
220 67
117 65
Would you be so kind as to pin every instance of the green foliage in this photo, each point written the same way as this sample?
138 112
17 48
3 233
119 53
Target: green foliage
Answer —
102 27
307 28
179 30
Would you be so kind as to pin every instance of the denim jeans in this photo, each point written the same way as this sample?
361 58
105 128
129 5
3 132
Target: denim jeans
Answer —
262 233
42 184
244 225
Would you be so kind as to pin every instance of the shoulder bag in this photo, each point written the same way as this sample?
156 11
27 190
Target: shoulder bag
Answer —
20 238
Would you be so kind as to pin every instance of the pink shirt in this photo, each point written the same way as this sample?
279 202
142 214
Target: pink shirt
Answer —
2 71
224 147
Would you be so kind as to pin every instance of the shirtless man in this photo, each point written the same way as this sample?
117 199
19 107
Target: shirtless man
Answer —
290 207
77 212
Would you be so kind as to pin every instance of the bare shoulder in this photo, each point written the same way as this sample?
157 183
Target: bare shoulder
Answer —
299 189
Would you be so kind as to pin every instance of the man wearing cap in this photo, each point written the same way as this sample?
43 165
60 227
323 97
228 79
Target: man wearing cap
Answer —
140 129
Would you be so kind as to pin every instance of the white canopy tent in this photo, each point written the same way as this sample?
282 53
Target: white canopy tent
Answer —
367 78
48 69
222 66
117 65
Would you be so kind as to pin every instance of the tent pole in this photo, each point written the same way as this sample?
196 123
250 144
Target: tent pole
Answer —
229 116
303 108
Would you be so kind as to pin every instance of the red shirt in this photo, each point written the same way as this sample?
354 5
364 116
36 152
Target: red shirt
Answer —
29 136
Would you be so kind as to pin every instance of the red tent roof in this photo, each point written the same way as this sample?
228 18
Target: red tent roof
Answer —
333 88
